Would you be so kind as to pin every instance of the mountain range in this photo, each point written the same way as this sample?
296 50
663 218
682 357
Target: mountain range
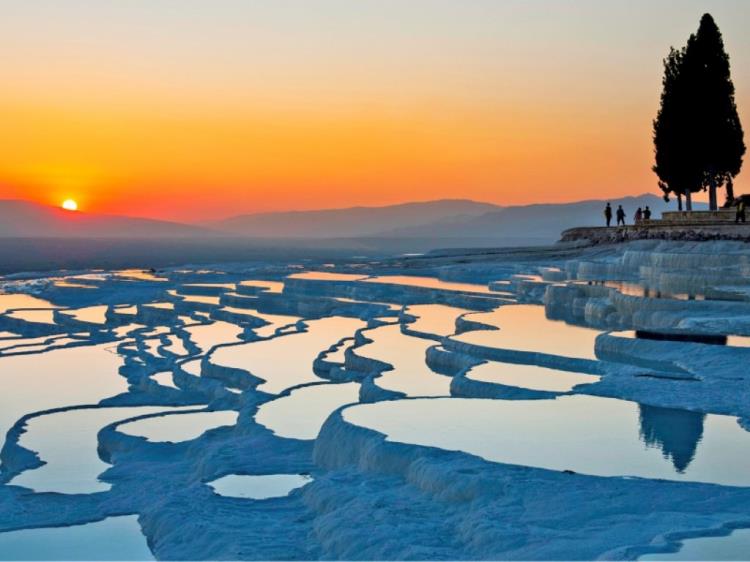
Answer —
443 219
351 222
23 219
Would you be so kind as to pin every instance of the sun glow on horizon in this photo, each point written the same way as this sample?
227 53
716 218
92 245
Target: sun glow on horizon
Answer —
70 205
247 107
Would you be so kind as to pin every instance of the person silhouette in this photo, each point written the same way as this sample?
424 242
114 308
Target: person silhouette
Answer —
647 213
608 214
638 215
740 214
620 216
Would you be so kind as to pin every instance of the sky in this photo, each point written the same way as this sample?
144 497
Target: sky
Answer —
194 110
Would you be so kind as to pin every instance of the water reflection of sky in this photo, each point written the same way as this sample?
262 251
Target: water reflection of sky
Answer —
301 414
37 316
435 319
31 383
735 546
287 361
178 427
268 286
19 300
429 283
327 276
92 314
258 487
586 434
67 443
115 538
526 328
529 376
406 354
209 335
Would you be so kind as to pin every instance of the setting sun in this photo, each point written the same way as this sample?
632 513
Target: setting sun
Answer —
70 205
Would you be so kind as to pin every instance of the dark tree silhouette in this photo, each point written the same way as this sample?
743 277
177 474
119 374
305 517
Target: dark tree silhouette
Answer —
671 145
698 137
676 432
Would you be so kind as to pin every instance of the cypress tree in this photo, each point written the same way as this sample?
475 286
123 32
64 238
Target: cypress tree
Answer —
671 141
698 137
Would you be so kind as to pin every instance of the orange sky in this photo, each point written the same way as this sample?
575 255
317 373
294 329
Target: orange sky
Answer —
192 110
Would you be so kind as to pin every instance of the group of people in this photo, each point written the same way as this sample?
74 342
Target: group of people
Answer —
645 214
640 215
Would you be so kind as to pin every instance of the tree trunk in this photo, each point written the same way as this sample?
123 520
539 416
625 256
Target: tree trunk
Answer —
712 196
688 200
679 201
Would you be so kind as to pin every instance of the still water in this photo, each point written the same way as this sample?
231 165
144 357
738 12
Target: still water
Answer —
406 354
586 434
301 414
31 383
258 487
429 283
67 443
524 327
115 538
735 546
532 377
286 361
179 427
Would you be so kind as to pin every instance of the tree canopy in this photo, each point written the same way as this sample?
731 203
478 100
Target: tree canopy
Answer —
698 138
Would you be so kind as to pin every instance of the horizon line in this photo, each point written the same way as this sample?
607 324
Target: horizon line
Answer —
198 222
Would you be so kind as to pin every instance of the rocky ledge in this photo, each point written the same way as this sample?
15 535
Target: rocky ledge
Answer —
658 230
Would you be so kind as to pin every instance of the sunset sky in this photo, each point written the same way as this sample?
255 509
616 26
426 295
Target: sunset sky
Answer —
190 110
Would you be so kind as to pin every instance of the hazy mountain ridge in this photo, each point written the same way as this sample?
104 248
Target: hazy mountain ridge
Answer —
26 219
543 221
349 222
429 220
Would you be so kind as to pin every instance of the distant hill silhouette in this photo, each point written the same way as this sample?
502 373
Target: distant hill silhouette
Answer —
544 222
351 222
435 223
26 219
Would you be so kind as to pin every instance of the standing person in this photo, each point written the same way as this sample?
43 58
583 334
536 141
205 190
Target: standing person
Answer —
638 215
620 216
608 214
647 213
740 216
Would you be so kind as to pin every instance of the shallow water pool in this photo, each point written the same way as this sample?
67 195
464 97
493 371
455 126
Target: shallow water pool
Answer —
435 319
53 379
406 354
67 443
286 361
529 376
429 283
735 546
267 286
208 335
258 487
179 427
115 538
327 276
525 327
9 301
39 316
91 314
586 434
301 414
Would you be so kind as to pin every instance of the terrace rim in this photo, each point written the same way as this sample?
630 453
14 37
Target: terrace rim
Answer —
693 226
